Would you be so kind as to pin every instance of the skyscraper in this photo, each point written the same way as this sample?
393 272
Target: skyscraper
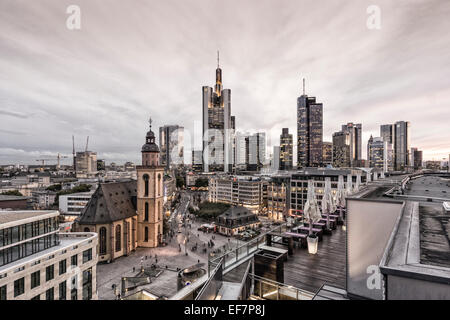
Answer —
416 158
171 141
217 126
286 149
341 149
275 161
327 154
309 131
387 133
255 151
402 145
355 131
379 154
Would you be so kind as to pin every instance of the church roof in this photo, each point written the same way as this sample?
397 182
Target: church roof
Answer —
110 202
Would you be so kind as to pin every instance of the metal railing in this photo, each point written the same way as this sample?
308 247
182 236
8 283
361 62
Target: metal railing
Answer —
233 255
272 290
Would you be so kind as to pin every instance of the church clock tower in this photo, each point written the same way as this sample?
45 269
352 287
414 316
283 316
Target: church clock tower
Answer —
150 194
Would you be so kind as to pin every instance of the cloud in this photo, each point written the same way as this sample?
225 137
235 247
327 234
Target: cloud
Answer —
136 58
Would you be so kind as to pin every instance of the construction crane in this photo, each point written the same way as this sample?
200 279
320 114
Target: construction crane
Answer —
58 159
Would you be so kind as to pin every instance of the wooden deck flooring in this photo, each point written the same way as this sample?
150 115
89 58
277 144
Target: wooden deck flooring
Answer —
309 272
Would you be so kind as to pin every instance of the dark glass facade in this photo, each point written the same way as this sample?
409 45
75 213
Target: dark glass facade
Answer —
309 132
24 240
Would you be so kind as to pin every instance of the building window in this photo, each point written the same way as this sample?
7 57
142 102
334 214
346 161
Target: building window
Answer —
35 279
62 290
38 297
19 287
146 234
86 230
87 284
50 294
50 272
159 213
62 266
118 238
145 177
146 212
102 240
74 291
74 260
3 292
87 255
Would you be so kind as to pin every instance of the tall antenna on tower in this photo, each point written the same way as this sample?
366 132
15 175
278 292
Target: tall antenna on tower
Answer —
217 59
303 86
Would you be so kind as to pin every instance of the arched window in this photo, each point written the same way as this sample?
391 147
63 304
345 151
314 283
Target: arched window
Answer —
145 177
159 210
118 238
146 234
102 240
86 229
146 212
159 184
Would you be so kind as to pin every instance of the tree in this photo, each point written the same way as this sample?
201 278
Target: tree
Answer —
13 193
180 182
201 182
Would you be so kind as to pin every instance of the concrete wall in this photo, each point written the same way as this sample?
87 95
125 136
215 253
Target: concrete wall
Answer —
399 288
369 226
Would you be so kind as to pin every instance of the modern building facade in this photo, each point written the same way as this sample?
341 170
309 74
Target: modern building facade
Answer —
399 136
327 153
39 263
217 126
245 191
380 154
278 198
286 150
197 160
255 151
171 141
72 204
341 149
309 131
355 133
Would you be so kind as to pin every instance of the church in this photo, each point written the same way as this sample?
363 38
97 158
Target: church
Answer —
127 215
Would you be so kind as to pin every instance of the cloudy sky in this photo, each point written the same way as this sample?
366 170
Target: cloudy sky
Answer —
135 58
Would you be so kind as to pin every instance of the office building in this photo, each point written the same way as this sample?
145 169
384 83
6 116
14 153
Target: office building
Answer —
355 133
197 161
276 156
341 149
416 158
217 126
171 141
402 145
399 136
39 263
246 191
255 151
309 131
278 198
379 154
327 153
72 204
286 150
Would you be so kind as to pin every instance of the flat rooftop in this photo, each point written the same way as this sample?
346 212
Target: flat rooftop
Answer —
10 217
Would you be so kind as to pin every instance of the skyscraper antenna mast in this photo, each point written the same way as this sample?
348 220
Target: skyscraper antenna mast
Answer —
217 59
303 86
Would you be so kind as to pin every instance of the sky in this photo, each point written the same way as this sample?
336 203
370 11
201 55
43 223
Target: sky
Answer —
134 59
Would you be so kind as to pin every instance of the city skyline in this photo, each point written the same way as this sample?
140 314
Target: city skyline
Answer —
101 80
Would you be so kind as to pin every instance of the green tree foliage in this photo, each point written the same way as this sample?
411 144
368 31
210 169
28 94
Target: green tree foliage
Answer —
201 182
13 193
